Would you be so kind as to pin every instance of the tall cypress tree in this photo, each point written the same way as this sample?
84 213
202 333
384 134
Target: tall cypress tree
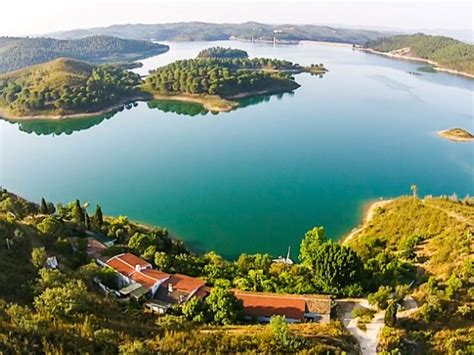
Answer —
78 213
43 206
98 217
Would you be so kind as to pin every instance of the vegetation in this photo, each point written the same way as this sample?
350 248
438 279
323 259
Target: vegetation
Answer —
199 31
65 86
226 78
432 237
16 53
220 52
446 52
45 310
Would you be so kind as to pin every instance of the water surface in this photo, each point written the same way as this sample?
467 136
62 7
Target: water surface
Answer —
255 179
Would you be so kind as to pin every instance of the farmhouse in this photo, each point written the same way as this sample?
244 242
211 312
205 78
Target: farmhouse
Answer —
136 277
261 306
177 289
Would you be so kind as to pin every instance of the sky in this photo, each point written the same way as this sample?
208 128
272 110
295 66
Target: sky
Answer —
34 17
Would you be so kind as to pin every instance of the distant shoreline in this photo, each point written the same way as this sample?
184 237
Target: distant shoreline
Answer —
417 59
369 212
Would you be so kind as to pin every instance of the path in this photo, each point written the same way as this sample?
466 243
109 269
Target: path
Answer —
368 338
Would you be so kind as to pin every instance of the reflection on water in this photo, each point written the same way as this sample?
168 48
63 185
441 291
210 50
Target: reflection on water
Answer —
58 127
195 109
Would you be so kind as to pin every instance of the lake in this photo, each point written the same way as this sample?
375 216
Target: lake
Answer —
255 179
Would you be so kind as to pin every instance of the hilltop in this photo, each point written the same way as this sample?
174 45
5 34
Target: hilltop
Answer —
16 52
443 52
201 31
65 87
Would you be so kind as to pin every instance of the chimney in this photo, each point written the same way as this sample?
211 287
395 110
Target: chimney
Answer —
137 267
170 287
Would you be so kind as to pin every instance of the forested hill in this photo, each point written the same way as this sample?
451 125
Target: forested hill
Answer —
65 86
18 52
445 51
200 31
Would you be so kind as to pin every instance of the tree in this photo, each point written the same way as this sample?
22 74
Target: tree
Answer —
224 308
98 219
390 317
335 267
61 302
38 257
43 206
280 330
195 310
380 297
310 243
78 212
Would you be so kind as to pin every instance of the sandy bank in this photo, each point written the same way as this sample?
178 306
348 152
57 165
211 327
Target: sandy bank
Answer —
368 215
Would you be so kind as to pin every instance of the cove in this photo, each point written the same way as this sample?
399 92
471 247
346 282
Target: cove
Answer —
256 178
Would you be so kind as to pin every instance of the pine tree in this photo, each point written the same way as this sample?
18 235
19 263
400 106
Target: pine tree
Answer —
78 213
43 206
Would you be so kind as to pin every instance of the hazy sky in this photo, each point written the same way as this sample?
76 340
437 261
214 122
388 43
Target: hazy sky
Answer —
27 17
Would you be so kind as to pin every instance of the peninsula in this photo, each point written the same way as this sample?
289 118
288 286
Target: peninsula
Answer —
457 135
444 53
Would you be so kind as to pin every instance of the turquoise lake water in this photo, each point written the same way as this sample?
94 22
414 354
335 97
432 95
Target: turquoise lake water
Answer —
255 179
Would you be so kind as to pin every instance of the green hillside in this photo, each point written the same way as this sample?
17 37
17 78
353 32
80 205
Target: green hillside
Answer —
435 237
64 86
18 52
447 52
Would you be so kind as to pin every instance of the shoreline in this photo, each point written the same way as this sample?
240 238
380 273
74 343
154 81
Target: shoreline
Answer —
210 103
220 104
417 59
445 134
323 43
369 210
76 116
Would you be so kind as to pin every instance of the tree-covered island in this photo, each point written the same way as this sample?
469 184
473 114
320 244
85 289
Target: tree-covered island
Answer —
220 75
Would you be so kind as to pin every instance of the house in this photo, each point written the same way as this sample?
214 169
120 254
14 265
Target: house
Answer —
177 289
296 308
136 277
51 263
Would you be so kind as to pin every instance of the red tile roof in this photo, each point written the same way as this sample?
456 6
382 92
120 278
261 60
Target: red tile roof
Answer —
149 277
184 283
126 263
267 305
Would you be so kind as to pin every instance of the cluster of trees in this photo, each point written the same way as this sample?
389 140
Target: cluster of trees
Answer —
222 77
221 52
447 52
16 53
98 87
